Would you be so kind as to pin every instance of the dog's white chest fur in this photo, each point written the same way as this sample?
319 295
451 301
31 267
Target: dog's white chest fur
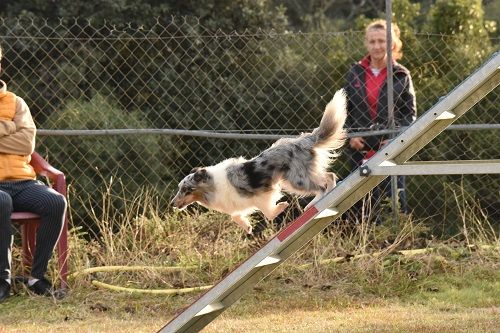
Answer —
226 198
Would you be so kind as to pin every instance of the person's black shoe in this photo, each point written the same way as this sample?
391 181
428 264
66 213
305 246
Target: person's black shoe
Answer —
4 290
42 287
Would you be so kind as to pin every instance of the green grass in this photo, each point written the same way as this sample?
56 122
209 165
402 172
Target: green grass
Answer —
477 288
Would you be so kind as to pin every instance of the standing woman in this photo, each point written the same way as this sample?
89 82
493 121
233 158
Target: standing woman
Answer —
367 106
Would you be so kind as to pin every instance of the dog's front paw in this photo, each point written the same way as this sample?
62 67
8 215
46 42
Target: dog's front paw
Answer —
243 222
280 208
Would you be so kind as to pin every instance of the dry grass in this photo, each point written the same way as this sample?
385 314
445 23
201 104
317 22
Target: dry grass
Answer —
388 318
392 318
373 287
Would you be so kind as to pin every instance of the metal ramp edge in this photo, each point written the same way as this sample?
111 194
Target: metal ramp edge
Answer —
230 288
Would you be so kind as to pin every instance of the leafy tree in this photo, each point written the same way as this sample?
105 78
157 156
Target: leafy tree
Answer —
456 43
215 14
91 164
99 11
332 15
464 20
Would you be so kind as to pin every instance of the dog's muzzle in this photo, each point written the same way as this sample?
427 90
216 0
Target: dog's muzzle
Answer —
178 204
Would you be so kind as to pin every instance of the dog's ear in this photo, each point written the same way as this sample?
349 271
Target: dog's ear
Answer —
193 170
200 174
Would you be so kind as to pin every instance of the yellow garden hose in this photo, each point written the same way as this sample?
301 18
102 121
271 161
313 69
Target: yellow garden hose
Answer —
139 268
359 256
130 269
149 291
406 253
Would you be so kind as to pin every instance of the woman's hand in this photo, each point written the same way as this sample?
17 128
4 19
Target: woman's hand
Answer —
384 142
357 143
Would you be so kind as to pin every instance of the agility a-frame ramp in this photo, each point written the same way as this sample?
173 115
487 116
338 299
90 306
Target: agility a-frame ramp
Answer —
391 160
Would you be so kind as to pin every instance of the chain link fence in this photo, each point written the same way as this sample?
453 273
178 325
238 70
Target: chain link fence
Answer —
132 110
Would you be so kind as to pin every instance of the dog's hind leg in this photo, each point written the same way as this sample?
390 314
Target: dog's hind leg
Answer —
330 182
270 211
307 187
243 222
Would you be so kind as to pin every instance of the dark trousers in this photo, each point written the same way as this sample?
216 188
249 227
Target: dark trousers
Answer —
384 190
373 201
30 196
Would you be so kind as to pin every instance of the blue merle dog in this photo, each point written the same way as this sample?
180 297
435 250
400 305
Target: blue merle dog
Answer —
239 187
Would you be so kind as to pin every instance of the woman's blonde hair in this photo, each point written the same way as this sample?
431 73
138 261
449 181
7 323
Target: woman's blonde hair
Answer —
397 52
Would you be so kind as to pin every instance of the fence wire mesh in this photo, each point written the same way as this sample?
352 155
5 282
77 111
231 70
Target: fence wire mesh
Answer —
134 109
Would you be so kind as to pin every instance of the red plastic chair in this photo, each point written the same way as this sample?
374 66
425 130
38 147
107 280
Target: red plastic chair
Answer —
29 222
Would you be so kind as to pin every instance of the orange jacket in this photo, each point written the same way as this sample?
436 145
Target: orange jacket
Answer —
17 137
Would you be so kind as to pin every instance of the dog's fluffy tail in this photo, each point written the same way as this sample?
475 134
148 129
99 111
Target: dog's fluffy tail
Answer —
330 133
